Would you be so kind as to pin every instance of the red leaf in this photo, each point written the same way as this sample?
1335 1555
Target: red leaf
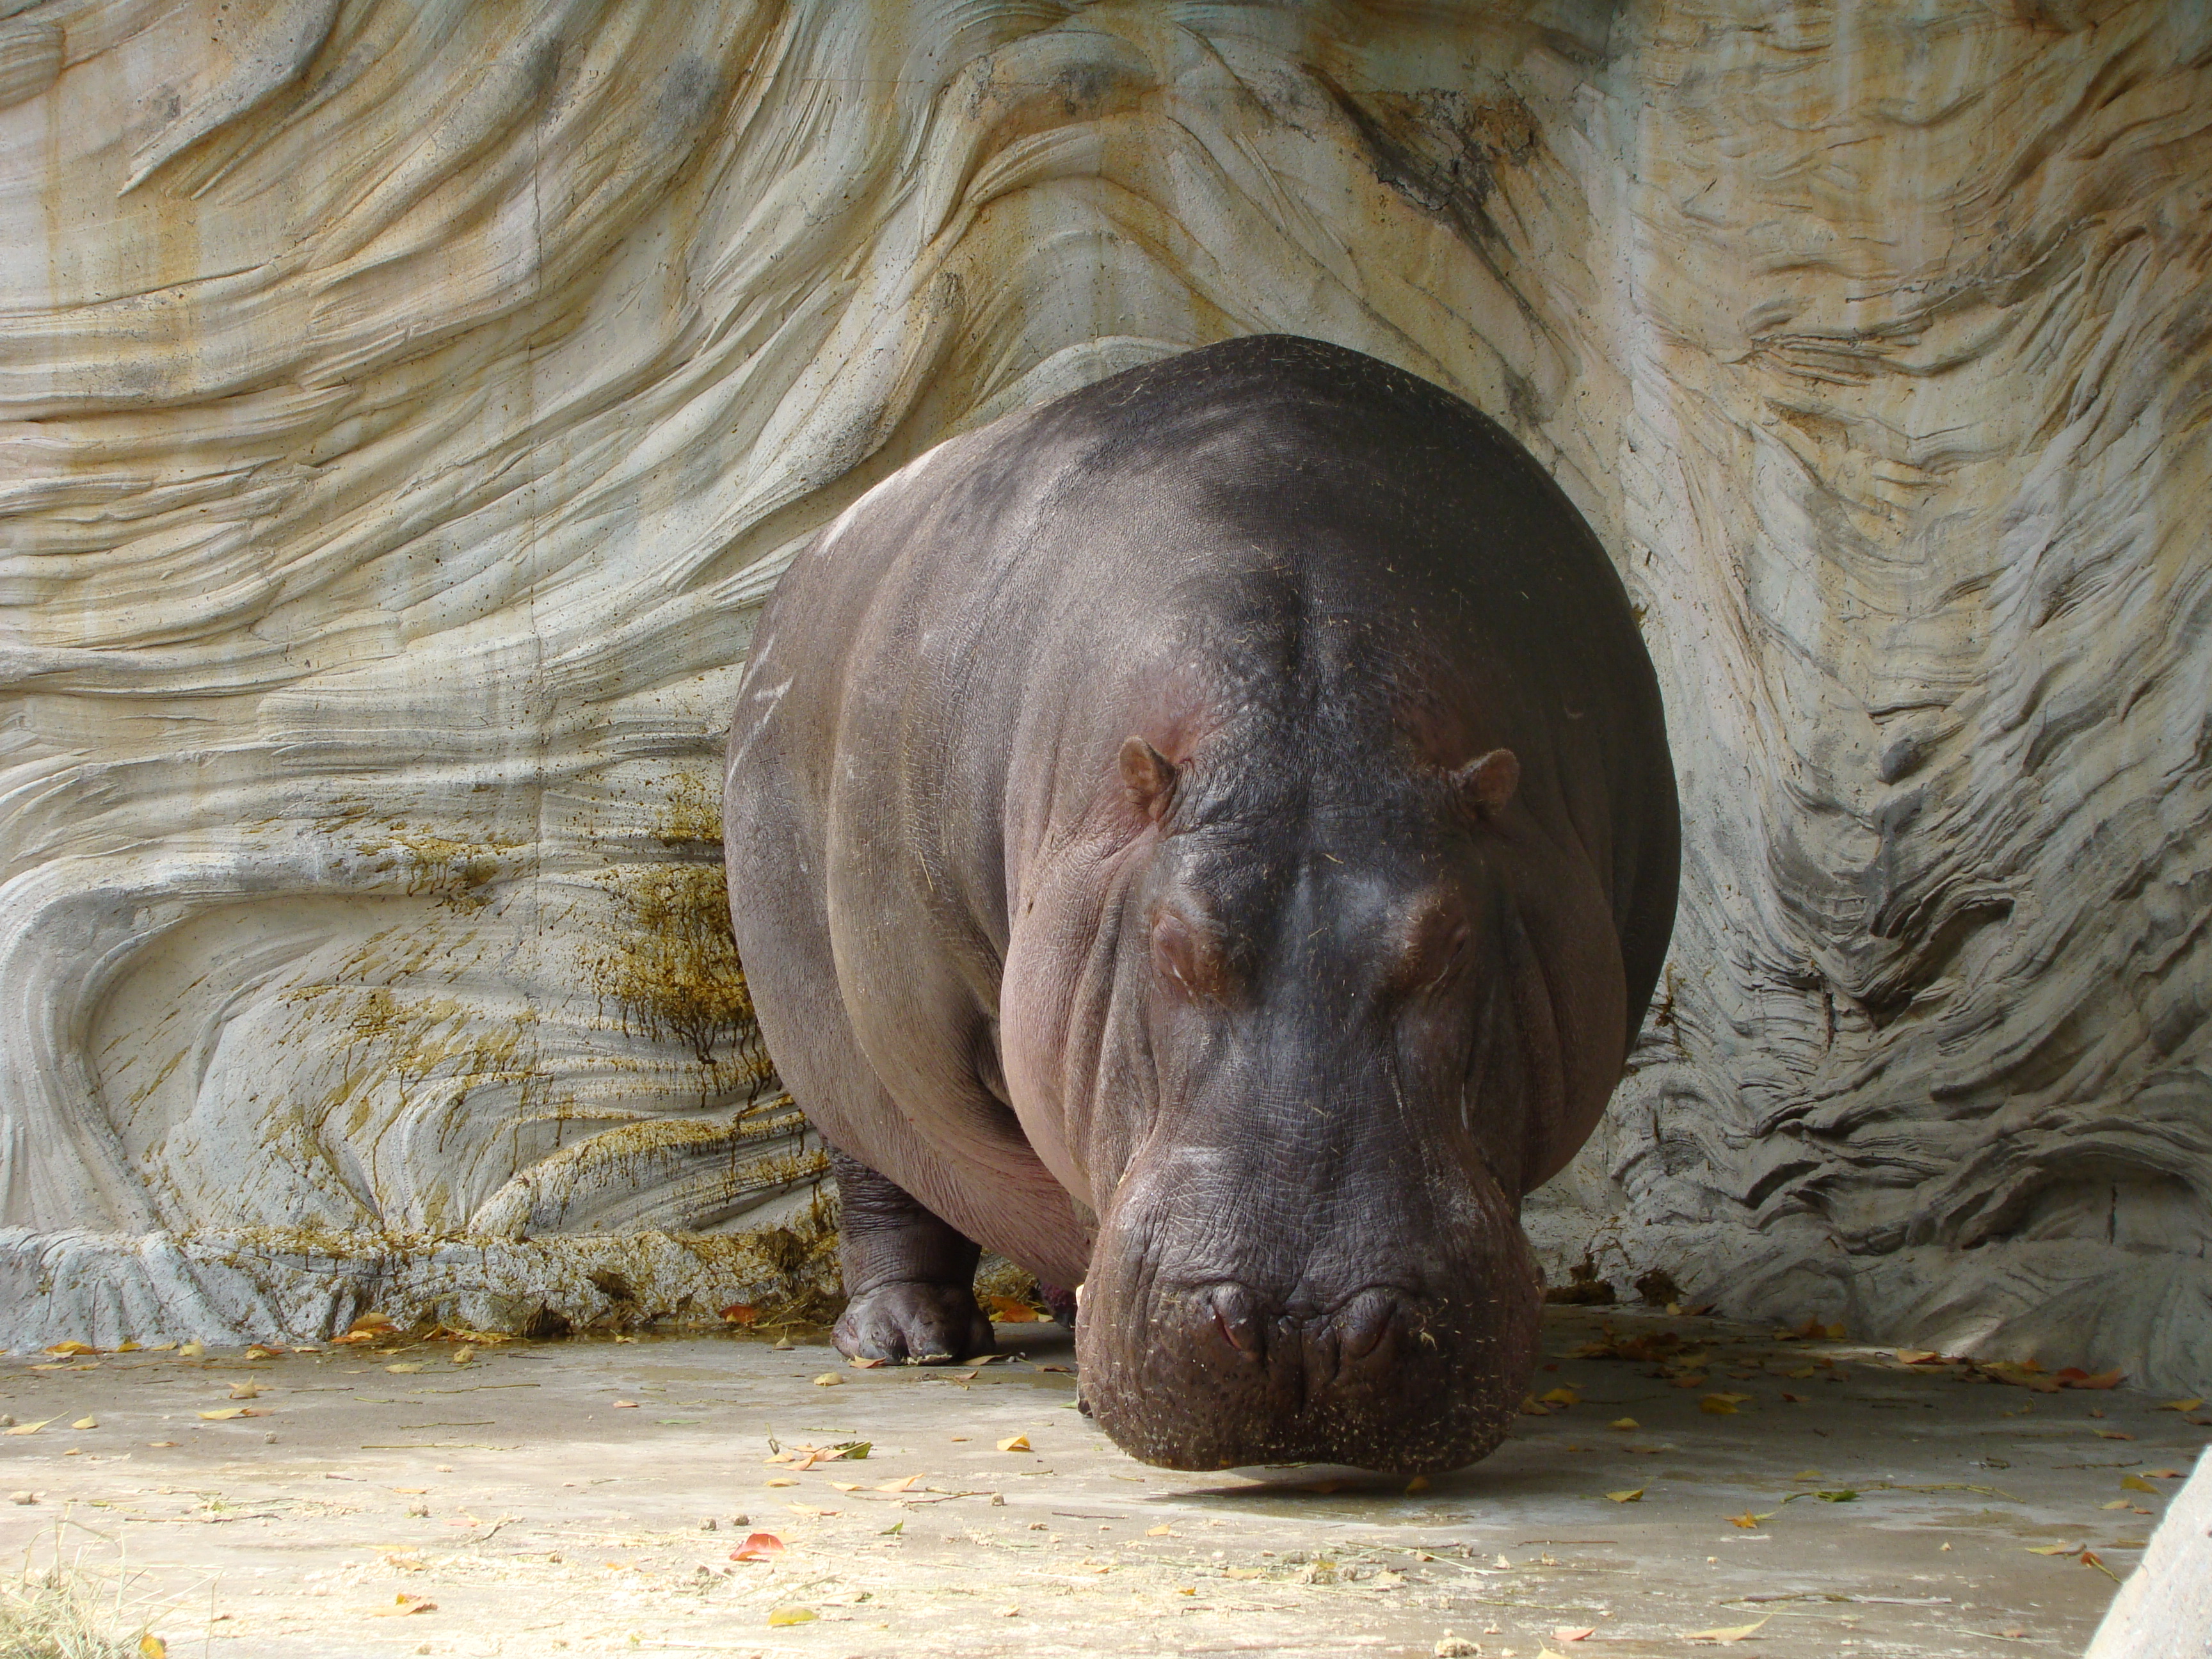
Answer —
758 1547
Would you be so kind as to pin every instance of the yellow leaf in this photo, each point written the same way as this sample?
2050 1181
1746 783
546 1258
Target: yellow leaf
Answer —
861 1365
2114 1434
192 1350
2135 1483
93 1423
1562 1397
1624 1422
1629 1497
2116 1504
152 1647
1731 1632
226 1413
846 1485
2053 1549
28 1428
1747 1519
1714 1404
72 1347
907 1484
1161 1531
779 1482
827 1380
406 1368
2180 1406
783 1616
1016 1442
1418 1483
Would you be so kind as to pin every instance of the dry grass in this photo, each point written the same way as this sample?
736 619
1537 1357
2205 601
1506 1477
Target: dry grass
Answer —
63 1614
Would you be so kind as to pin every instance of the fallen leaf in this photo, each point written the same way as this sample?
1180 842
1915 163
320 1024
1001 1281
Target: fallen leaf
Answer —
407 1368
28 1428
403 1605
1748 1520
758 1547
1562 1397
2114 1434
1563 1633
1161 1531
783 1616
72 1347
1013 1310
1628 1497
1916 1355
2161 1474
2116 1504
157 1444
861 1364
1694 1380
152 1647
1720 1405
2091 1558
1789 1399
1065 1370
245 1391
2075 1377
2179 1405
2136 1483
1016 1442
827 1380
808 1508
229 1412
907 1484
192 1350
2054 1549
619 1405
1531 1406
264 1350
741 1313
1418 1483
1624 1422
1731 1632
779 1481
86 1422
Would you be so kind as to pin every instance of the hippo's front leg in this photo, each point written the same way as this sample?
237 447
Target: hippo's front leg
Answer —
911 1277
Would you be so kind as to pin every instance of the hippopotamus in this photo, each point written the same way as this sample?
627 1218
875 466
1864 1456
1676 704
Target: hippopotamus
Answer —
1210 840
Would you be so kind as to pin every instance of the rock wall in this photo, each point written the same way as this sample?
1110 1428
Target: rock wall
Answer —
407 405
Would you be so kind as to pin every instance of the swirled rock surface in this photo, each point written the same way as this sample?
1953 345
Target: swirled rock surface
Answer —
406 406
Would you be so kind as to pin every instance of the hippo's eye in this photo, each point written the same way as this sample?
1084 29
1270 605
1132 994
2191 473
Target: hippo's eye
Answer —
1189 956
1436 944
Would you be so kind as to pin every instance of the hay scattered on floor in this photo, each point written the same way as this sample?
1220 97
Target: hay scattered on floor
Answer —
62 1613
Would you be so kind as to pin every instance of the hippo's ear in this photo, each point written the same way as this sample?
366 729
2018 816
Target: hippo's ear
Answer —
1487 781
1149 776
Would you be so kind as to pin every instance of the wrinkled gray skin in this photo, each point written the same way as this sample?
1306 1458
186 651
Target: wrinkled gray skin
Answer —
1210 839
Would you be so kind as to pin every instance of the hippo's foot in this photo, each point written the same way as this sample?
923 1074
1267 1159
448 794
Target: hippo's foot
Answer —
1062 1303
925 1324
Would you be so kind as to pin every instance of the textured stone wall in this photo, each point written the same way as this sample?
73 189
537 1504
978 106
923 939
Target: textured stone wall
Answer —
406 406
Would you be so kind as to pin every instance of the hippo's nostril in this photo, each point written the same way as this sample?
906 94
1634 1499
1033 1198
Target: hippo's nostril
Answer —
1363 1322
1236 1315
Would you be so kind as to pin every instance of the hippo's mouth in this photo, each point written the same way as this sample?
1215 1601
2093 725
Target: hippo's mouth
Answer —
1412 1378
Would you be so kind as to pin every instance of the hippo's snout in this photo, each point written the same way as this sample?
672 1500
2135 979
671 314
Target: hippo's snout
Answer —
1225 1373
1317 1351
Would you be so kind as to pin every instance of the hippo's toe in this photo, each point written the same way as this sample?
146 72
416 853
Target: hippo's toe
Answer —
926 1324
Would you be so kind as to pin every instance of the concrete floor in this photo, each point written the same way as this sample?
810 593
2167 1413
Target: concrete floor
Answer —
539 1515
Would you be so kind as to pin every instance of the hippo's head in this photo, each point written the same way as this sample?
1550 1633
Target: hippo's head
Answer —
1353 1025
